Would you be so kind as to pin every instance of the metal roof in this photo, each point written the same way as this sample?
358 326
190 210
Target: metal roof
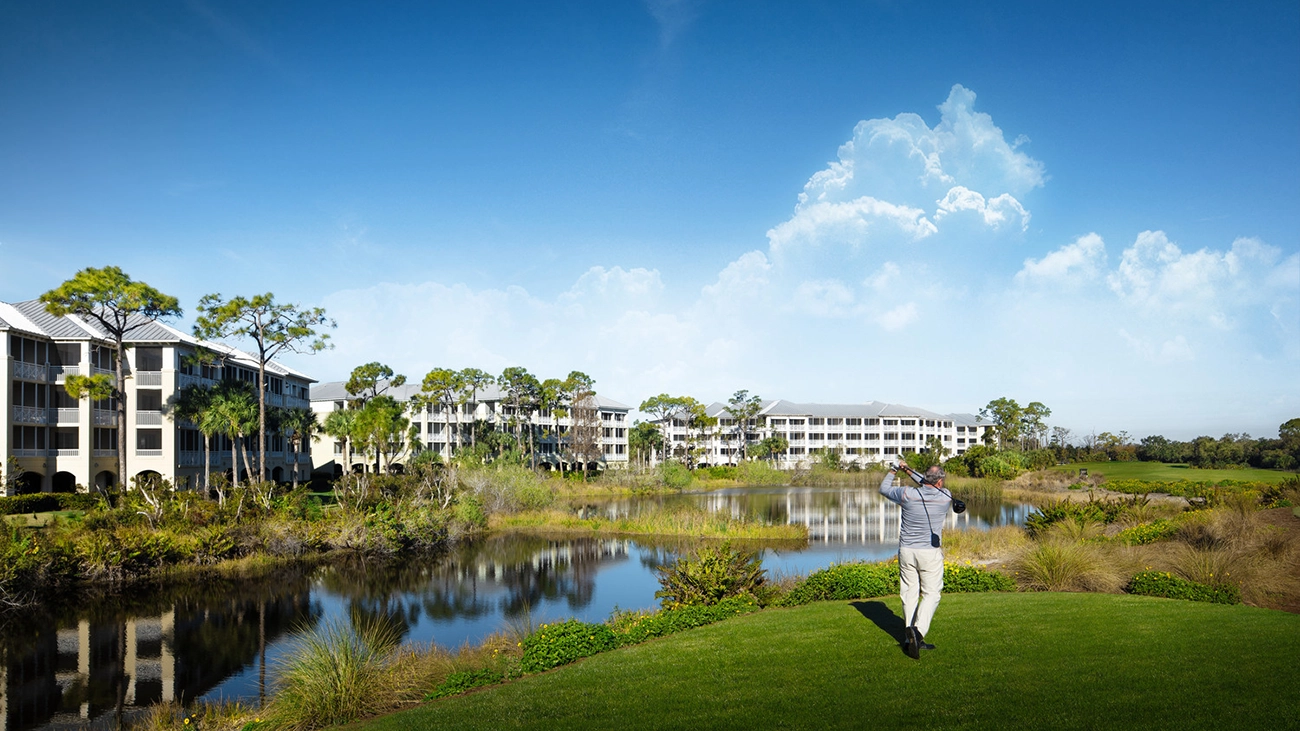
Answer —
31 317
872 409
335 391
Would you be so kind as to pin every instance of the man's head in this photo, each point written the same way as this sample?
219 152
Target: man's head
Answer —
934 476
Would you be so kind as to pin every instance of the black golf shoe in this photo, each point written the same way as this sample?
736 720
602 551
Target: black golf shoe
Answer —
913 644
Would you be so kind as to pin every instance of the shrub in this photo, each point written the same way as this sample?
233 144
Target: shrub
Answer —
47 502
634 627
470 511
969 578
1096 510
458 683
674 475
710 575
558 644
1165 584
721 472
760 473
997 468
1140 535
856 580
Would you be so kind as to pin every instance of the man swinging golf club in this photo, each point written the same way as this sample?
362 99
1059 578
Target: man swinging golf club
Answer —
920 555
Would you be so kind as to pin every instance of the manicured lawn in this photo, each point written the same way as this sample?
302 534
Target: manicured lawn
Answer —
39 520
1171 472
1003 661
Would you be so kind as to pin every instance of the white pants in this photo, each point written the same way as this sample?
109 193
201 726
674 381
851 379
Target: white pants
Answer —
920 571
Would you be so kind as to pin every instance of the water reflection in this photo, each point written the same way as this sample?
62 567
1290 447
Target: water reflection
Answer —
82 661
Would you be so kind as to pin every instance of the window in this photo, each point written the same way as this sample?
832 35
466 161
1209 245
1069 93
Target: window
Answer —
148 399
148 358
929 422
62 400
101 357
908 422
26 350
148 438
961 430
104 439
960 440
891 450
816 437
796 450
854 422
29 437
834 437
68 354
834 422
871 436
891 435
852 437
338 447
31 395
873 422
816 422
891 422
778 422
796 436
620 433
796 422
909 436
851 450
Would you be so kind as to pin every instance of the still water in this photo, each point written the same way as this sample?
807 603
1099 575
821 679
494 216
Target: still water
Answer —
222 640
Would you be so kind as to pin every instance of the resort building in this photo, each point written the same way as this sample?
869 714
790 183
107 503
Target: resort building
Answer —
859 433
588 437
61 444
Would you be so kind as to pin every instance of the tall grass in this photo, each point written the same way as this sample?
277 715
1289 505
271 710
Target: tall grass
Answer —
981 545
655 520
974 488
1061 566
334 674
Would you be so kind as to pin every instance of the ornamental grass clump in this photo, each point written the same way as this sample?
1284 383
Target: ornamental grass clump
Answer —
1064 566
334 674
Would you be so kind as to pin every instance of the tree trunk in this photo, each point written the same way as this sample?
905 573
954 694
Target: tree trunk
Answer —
261 416
248 467
234 464
120 362
207 465
294 446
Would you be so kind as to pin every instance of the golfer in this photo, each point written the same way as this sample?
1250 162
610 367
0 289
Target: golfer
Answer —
920 557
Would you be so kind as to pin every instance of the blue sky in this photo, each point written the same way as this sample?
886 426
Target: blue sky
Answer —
934 204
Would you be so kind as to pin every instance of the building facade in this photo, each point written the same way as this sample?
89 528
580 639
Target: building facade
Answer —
443 430
860 433
61 444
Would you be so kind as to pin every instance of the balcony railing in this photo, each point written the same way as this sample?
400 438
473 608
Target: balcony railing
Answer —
69 416
148 452
148 418
60 373
190 459
97 371
30 371
29 452
31 415
102 417
68 452
148 378
105 452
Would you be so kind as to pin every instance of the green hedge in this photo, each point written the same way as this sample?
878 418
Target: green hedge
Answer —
861 580
1183 488
636 627
45 502
1165 584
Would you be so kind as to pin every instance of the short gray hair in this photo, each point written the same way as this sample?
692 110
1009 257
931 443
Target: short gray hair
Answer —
934 474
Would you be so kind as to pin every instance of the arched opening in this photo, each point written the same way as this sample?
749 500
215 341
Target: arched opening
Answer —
546 466
396 469
105 479
359 469
148 476
338 471
28 483
277 474
243 475
64 482
593 466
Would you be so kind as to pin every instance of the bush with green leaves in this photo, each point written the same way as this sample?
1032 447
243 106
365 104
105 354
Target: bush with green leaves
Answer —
1165 584
674 475
1140 535
969 578
634 627
465 680
561 643
862 580
1096 510
46 502
708 576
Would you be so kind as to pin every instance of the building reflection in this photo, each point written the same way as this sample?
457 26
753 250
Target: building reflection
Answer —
88 671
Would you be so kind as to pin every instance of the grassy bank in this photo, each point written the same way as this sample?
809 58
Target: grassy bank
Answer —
678 521
1003 660
1159 471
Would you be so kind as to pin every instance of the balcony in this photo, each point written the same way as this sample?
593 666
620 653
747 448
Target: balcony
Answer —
148 452
69 416
60 373
30 371
104 453
67 452
148 378
190 459
101 417
31 415
148 418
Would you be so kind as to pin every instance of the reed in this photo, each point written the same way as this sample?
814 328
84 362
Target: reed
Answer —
660 521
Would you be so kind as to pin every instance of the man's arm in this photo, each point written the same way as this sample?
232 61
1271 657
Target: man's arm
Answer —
892 492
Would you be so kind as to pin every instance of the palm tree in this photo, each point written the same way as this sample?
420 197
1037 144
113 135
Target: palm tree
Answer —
475 380
300 424
340 425
192 404
236 411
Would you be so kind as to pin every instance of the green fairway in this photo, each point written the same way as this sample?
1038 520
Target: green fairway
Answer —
1003 661
1172 472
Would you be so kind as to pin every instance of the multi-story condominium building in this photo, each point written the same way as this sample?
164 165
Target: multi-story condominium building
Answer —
859 433
62 444
604 423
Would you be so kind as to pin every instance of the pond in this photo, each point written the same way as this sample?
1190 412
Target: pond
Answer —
222 640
